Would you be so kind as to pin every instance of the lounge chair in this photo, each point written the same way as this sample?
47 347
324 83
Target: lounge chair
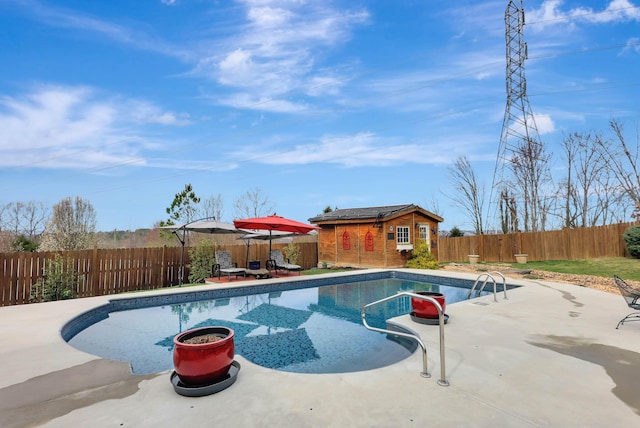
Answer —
277 261
224 265
631 296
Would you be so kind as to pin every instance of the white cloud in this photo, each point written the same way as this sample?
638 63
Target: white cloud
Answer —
75 127
633 45
551 14
278 50
544 123
358 150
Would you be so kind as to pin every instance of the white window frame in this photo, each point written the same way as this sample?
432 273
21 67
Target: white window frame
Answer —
405 235
425 233
403 238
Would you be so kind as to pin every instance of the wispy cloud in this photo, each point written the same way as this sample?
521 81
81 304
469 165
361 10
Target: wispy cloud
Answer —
357 150
550 13
276 50
60 17
76 127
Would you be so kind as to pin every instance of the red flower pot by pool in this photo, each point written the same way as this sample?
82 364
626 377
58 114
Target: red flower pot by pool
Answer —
208 360
424 308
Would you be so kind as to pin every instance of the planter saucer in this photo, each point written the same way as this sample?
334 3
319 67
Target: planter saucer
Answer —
201 390
427 321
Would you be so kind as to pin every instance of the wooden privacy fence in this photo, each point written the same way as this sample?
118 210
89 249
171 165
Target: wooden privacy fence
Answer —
566 244
113 271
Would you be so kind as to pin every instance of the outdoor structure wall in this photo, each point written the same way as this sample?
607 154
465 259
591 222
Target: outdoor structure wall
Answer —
384 254
565 244
113 271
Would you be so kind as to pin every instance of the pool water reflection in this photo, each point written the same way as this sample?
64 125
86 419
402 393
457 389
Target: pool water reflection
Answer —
310 330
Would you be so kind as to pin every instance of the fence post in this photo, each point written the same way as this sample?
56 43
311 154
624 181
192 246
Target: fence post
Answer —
163 267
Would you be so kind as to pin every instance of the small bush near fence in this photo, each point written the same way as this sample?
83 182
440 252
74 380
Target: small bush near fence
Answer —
632 239
202 259
59 282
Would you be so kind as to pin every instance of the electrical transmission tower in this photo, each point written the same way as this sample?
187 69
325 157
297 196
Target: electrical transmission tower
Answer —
519 132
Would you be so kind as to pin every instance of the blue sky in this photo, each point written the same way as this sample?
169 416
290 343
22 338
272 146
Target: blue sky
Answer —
342 103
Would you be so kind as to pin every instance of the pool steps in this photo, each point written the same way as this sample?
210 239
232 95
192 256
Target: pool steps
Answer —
488 276
425 373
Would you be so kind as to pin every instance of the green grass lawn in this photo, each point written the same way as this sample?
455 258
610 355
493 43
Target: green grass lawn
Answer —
626 268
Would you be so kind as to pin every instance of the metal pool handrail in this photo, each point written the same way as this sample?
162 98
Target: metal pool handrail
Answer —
425 373
489 276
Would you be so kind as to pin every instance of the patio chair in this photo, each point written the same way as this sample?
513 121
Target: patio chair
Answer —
277 261
631 296
224 265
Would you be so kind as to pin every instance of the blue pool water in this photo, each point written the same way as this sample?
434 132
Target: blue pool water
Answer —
308 330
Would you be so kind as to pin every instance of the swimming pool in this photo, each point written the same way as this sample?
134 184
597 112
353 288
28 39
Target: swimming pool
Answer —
303 326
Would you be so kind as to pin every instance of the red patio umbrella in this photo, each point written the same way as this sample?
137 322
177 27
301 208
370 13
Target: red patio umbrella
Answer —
274 222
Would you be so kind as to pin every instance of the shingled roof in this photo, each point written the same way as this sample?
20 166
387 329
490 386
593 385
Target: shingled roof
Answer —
367 213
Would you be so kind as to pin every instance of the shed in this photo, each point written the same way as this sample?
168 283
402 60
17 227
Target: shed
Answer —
374 236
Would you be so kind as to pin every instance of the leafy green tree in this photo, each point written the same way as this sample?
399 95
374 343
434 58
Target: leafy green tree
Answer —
184 207
631 237
421 258
22 244
59 281
202 259
455 232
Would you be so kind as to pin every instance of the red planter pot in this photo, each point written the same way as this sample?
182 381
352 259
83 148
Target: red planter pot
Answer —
426 309
203 363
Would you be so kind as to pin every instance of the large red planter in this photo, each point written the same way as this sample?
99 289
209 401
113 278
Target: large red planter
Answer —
424 308
204 363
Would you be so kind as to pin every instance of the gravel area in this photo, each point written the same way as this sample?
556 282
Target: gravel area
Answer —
595 282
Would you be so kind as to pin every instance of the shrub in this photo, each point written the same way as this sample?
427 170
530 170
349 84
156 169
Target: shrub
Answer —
58 282
421 258
631 237
202 259
292 252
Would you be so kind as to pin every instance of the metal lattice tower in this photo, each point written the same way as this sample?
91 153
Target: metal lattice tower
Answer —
518 126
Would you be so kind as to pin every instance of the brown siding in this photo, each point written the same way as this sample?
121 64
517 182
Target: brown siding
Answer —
384 254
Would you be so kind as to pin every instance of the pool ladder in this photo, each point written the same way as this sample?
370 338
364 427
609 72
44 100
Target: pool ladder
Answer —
487 277
425 373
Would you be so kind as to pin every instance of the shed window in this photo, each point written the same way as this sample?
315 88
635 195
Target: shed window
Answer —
402 234
368 241
346 241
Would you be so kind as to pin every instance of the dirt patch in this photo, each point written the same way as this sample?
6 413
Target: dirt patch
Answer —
204 338
589 281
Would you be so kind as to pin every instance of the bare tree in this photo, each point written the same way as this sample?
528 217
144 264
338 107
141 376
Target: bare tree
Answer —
588 196
470 194
34 218
72 226
213 207
529 166
253 204
622 159
508 212
23 221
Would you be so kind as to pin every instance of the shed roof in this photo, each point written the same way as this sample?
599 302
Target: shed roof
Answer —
379 213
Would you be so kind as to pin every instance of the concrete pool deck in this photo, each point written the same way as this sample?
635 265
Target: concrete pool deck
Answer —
548 356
